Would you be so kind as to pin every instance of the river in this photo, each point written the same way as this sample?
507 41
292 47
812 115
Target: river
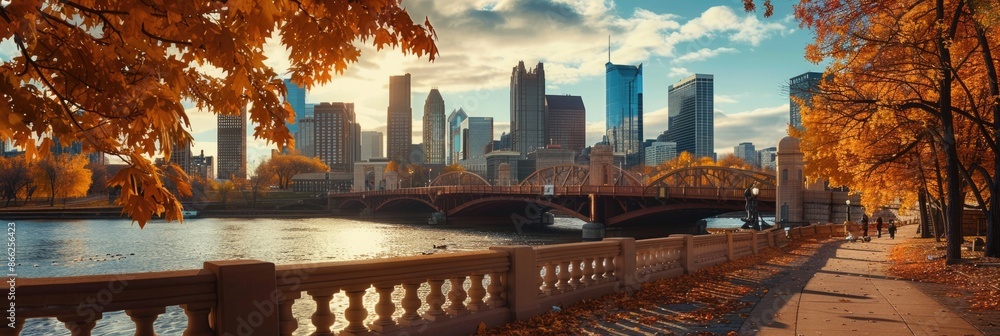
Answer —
88 247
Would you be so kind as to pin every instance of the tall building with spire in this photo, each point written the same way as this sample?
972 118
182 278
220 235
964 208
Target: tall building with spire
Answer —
691 115
231 145
624 110
527 109
434 128
400 119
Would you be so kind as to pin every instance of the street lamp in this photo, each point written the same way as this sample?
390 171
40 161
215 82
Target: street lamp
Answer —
848 210
429 172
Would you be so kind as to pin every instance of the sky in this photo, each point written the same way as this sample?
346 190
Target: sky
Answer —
480 41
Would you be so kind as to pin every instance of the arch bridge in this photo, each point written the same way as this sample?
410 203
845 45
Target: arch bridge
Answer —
681 195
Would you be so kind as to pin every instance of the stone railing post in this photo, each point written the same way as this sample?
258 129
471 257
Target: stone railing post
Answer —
771 238
625 266
753 242
730 247
522 282
687 253
247 297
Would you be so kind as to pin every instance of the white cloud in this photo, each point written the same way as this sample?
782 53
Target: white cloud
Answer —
724 99
679 72
762 126
703 54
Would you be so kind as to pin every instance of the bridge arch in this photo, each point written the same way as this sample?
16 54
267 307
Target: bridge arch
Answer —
395 201
457 178
577 175
714 177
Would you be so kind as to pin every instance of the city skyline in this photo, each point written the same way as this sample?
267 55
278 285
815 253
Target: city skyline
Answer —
751 56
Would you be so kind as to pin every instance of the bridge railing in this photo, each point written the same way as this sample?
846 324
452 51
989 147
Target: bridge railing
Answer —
438 294
640 191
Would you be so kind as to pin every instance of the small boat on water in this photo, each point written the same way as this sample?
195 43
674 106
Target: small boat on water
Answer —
189 213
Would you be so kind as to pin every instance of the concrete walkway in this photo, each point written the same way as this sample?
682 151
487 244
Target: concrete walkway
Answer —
847 292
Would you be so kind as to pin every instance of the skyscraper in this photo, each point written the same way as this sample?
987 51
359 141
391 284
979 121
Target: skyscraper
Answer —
747 152
371 145
801 88
624 110
527 109
434 128
691 115
335 127
477 133
659 152
232 146
305 140
181 156
567 123
297 98
455 134
400 117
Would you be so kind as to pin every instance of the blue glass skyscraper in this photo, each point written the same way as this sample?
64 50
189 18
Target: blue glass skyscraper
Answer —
624 111
297 98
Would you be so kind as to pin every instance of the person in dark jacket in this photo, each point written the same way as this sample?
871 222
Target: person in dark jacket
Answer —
864 226
878 226
892 229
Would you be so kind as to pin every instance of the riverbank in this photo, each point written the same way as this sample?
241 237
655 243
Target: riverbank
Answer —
112 212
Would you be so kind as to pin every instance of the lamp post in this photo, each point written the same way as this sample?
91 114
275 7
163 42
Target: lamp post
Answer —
429 172
756 212
848 210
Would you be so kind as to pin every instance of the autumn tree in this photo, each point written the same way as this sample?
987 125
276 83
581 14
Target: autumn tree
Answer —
286 166
224 191
99 178
908 82
454 167
15 177
256 185
62 176
733 161
114 75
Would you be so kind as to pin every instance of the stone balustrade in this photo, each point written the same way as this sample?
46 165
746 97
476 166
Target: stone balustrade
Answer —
451 293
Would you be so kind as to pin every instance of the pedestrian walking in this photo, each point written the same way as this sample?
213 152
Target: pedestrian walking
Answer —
864 226
892 229
878 226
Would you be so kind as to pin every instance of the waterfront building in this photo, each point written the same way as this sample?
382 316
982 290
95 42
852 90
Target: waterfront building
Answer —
527 109
766 158
624 110
334 128
370 175
305 140
400 115
747 152
371 145
455 134
800 90
659 152
519 168
691 115
202 166
231 145
553 155
567 121
323 182
477 133
181 155
434 128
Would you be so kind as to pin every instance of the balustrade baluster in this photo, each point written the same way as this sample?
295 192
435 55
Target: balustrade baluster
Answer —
435 299
355 313
476 294
609 269
575 274
384 309
540 280
599 270
411 302
588 271
550 279
496 290
323 317
457 296
80 325
563 274
197 320
144 318
286 320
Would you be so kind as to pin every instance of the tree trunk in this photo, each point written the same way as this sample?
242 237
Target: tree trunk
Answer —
925 224
992 217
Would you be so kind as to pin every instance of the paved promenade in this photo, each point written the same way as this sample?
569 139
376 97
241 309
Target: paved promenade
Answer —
845 291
